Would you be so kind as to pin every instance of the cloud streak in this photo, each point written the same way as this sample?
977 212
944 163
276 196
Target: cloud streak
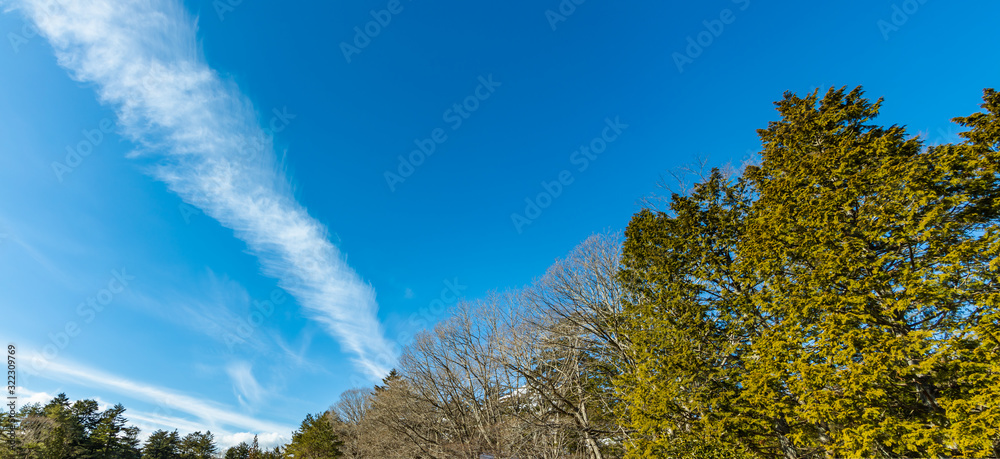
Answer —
149 422
210 149
211 413
245 386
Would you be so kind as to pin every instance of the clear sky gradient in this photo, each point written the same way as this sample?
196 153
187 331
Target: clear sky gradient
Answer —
268 203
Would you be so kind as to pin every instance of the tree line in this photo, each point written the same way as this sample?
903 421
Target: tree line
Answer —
63 429
836 298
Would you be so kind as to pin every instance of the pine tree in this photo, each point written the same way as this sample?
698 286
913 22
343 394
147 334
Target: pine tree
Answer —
315 438
162 445
839 299
66 436
254 452
10 443
973 378
198 445
875 256
690 322
240 451
109 436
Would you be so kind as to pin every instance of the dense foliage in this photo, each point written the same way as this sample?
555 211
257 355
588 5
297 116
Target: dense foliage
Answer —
81 430
838 298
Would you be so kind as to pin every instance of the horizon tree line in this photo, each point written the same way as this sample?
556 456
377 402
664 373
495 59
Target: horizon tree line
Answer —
836 297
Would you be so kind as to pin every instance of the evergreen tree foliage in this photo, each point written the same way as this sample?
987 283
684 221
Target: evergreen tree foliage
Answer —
315 439
240 451
162 445
836 300
197 445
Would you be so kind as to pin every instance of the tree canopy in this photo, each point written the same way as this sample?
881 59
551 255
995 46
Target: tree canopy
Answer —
837 297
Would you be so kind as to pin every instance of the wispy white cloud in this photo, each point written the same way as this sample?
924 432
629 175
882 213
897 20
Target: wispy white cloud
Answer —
266 440
246 387
298 357
29 397
143 58
210 415
150 422
217 308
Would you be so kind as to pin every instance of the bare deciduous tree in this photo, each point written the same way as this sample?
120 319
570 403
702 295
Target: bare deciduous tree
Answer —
523 374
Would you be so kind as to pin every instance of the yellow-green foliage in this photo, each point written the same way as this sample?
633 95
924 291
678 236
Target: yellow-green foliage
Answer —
838 300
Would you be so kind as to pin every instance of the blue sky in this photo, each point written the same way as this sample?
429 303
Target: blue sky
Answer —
247 231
